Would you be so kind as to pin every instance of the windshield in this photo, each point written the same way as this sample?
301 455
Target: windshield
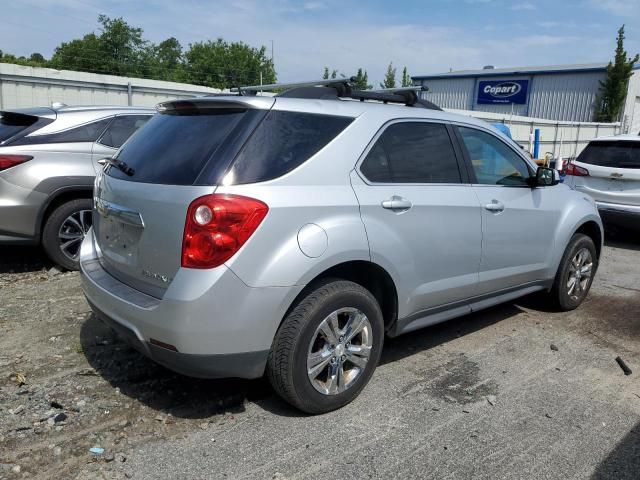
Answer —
616 154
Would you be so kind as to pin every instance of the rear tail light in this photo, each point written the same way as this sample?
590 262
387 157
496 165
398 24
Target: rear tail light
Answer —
8 161
576 171
217 226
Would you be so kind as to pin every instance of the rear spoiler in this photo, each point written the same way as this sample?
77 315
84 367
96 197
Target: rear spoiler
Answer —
202 104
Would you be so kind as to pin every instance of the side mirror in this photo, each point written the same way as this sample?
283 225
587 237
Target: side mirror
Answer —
545 177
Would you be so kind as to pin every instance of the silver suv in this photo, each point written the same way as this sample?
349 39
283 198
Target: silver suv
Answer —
48 161
237 235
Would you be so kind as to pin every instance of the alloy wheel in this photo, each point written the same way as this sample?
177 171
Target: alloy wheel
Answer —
72 231
339 351
580 272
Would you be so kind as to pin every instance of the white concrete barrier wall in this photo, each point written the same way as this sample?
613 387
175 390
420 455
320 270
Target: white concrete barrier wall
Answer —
23 87
566 139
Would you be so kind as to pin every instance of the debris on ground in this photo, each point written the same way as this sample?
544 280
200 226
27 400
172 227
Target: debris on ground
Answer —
553 347
491 399
623 366
96 450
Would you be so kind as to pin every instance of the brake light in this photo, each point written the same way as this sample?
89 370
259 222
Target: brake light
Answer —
576 171
217 226
8 161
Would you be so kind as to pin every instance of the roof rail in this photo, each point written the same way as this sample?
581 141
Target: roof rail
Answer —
335 88
286 86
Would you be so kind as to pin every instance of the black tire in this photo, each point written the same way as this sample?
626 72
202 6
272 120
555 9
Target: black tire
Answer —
559 294
287 362
50 233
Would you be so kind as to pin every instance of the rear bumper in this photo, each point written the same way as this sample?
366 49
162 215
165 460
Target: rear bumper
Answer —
632 210
219 326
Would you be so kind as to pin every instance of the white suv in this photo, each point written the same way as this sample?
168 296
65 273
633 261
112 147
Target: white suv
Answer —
609 170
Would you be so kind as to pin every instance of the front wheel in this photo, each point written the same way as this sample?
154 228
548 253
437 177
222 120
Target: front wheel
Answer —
575 273
327 347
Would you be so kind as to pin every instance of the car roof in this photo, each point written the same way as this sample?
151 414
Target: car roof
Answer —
615 138
340 107
107 108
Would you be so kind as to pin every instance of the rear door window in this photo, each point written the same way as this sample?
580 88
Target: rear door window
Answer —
614 154
412 152
282 142
122 127
174 147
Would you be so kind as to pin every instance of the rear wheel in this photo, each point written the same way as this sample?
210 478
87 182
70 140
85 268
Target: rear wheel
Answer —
327 347
575 273
64 230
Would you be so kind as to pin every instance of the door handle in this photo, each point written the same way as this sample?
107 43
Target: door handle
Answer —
397 204
495 206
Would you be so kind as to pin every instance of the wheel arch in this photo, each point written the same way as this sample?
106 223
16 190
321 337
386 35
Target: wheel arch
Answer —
57 198
592 230
367 274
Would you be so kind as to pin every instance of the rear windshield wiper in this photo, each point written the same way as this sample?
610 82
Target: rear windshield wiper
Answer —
119 164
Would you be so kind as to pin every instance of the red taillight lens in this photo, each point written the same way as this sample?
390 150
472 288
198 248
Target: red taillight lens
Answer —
576 171
8 161
217 226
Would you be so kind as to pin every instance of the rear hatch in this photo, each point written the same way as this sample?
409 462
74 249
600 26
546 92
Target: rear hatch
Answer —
613 171
178 156
16 124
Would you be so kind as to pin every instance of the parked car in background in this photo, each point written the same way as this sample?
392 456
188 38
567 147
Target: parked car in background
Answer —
608 169
48 161
235 235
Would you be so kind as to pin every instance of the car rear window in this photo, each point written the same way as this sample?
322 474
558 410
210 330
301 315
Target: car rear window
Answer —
615 154
282 142
174 147
13 123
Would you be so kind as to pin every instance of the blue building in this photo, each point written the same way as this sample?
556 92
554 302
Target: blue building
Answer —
558 92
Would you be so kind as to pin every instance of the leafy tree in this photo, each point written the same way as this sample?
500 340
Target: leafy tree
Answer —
406 78
362 80
221 64
389 77
120 49
613 90
83 54
37 58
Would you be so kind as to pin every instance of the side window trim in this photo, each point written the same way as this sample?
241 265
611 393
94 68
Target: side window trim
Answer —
101 136
464 177
467 158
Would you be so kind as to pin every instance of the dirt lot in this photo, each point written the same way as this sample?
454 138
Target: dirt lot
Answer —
513 392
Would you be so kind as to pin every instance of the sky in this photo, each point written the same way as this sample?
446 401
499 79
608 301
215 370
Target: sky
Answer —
426 36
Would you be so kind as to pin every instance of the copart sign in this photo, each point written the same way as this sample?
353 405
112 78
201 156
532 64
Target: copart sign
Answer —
503 91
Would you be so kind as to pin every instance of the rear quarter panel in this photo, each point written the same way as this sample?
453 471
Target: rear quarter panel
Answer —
272 256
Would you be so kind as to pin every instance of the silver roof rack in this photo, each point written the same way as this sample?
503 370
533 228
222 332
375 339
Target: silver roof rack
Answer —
287 86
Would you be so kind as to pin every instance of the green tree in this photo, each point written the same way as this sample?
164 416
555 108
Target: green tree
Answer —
406 78
326 75
222 64
362 80
84 54
389 77
37 58
613 90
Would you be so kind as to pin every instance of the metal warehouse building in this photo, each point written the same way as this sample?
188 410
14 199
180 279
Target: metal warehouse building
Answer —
560 92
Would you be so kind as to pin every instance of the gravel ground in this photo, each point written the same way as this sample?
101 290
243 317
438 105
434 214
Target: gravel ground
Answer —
516 391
